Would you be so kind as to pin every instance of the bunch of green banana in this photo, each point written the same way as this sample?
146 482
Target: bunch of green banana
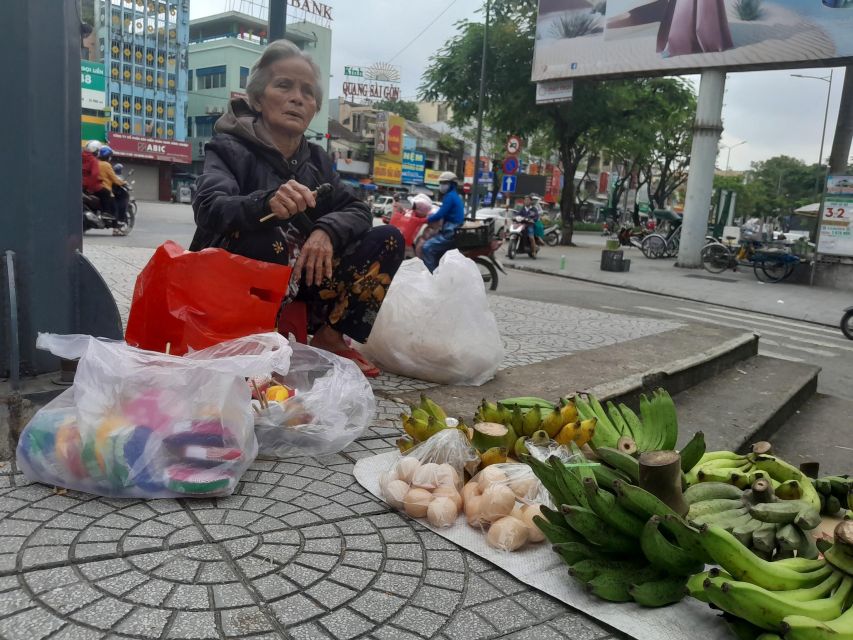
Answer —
616 538
654 429
743 470
772 528
800 598
427 419
529 415
835 494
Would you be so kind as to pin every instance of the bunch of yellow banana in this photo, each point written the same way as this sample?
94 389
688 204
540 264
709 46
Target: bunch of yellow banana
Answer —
427 419
799 598
529 415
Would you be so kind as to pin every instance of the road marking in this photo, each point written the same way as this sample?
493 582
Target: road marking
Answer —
833 334
811 350
780 356
760 332
604 306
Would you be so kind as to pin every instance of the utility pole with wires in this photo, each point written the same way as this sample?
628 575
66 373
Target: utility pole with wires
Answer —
277 19
475 187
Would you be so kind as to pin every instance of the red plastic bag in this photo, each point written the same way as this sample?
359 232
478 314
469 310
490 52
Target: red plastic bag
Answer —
196 299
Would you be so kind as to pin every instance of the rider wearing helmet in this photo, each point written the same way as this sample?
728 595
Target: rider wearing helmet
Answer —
113 185
91 169
451 214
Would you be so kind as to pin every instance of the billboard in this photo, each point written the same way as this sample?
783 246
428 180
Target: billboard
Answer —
93 85
390 130
588 38
836 224
414 165
126 146
387 173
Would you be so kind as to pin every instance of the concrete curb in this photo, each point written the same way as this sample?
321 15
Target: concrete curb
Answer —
658 293
679 374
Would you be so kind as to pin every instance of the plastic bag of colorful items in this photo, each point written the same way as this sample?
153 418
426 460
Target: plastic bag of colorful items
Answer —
137 423
316 407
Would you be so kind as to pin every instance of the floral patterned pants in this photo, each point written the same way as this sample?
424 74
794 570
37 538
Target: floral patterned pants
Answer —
351 298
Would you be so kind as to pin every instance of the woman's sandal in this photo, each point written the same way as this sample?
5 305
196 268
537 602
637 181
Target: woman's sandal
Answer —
367 368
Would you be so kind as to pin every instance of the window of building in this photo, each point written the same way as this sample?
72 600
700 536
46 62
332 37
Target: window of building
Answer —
244 77
210 77
190 80
204 126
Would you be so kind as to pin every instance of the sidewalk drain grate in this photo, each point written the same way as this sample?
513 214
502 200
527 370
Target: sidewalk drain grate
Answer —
714 278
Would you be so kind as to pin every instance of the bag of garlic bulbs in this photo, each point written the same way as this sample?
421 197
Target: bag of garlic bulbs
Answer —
426 481
501 501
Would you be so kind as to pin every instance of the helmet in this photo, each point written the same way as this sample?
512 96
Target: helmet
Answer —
105 153
448 176
535 197
118 167
422 204
92 146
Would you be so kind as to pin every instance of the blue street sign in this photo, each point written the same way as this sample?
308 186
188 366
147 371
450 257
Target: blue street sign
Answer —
510 165
508 184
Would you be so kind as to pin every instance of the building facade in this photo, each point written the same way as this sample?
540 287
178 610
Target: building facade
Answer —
143 45
222 50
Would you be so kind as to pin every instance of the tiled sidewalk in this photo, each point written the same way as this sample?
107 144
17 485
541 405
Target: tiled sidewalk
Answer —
299 551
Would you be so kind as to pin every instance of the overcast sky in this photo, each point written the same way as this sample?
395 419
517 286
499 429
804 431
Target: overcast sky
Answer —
773 112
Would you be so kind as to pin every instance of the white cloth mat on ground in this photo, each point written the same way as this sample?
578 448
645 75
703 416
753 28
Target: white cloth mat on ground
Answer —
541 568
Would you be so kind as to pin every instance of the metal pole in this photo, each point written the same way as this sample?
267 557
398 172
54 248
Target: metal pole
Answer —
475 187
823 134
700 184
277 19
729 160
820 189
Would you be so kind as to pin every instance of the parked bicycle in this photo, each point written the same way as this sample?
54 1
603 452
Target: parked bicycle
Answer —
658 245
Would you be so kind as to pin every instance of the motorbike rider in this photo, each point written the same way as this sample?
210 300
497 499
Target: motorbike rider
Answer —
91 169
539 226
451 214
531 215
114 185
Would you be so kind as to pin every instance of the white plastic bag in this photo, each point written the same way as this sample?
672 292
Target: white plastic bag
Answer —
138 423
437 326
332 405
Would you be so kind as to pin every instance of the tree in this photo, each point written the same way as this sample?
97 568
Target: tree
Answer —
783 184
598 117
403 108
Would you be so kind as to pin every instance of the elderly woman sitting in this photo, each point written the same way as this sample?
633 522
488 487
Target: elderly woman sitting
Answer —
260 166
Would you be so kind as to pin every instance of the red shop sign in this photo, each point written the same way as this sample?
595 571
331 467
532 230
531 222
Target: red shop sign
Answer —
150 148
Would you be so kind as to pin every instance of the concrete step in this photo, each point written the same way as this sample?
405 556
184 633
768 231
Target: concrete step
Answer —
821 431
749 401
675 360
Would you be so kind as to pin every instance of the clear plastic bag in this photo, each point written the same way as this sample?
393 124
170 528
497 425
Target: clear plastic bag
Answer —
143 424
330 404
425 482
437 326
501 501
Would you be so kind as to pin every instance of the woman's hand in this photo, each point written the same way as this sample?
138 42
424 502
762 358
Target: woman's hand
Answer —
290 199
315 258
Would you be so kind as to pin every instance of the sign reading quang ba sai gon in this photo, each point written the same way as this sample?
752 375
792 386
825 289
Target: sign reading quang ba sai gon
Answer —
380 81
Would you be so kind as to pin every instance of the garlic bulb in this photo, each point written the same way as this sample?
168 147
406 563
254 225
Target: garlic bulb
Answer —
448 492
442 512
406 468
527 514
425 476
395 492
507 534
497 501
416 502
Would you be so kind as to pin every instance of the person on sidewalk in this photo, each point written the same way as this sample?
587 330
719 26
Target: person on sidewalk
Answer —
115 185
258 197
451 215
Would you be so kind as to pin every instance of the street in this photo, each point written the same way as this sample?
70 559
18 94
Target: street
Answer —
788 339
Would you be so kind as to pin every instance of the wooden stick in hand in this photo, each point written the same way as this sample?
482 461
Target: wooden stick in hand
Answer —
319 192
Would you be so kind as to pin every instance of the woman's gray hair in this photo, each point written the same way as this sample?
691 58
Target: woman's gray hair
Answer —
261 74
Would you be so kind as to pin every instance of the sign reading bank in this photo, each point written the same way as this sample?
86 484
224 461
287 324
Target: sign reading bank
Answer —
151 148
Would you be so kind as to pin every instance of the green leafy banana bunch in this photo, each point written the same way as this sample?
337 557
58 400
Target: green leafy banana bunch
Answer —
772 528
656 427
789 483
619 540
799 598
835 494
427 419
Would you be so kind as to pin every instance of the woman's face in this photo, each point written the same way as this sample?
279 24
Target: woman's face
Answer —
289 102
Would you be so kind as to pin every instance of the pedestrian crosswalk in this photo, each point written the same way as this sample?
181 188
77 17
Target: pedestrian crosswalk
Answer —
779 337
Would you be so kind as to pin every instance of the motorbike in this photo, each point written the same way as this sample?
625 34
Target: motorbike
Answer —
94 218
520 239
416 232
847 323
553 235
